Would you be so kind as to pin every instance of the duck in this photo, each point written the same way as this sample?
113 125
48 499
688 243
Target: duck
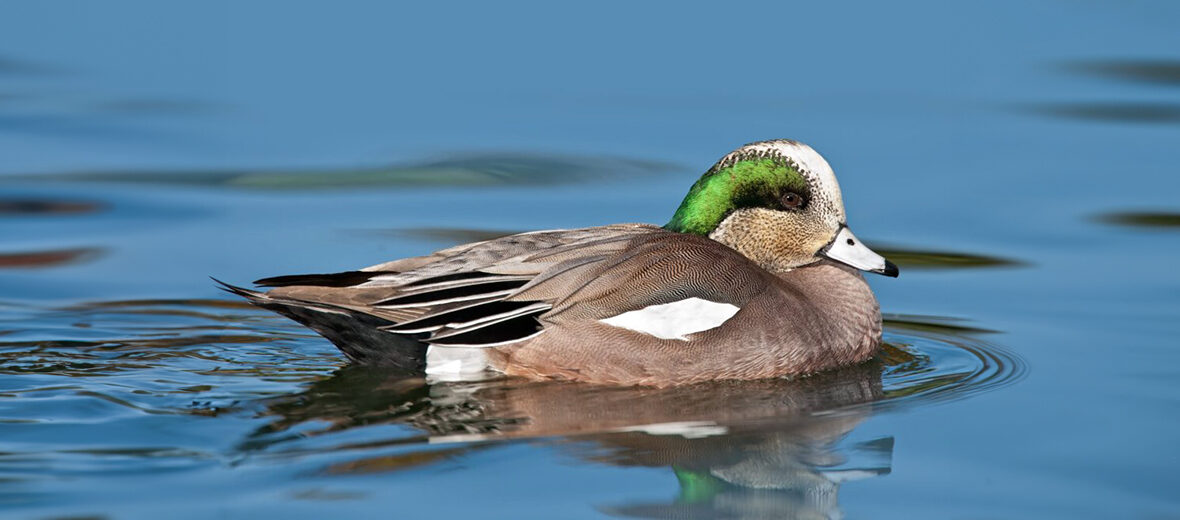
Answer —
756 275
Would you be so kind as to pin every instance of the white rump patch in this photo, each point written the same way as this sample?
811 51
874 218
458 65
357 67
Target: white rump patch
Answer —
675 320
456 363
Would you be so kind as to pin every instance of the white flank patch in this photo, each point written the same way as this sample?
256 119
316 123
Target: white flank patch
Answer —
849 475
686 429
456 363
675 320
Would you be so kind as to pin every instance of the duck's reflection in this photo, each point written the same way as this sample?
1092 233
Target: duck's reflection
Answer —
738 449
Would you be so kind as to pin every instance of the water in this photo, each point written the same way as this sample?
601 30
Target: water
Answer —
1016 159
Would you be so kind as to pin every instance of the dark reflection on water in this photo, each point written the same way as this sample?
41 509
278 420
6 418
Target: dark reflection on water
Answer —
52 258
457 170
1122 110
1142 219
1112 111
933 324
507 408
1163 72
9 207
926 259
739 448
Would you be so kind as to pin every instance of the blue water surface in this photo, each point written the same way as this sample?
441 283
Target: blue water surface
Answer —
1018 159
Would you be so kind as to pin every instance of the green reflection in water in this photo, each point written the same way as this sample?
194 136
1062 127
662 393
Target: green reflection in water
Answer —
1160 219
925 259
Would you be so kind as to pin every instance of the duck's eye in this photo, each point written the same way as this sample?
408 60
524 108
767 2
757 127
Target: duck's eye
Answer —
792 200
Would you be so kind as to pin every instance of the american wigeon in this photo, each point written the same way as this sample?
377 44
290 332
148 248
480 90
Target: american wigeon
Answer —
756 276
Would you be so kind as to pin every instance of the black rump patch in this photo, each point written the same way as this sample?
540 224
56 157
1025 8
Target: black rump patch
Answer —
344 279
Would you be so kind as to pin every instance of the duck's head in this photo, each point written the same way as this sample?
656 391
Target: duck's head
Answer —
776 202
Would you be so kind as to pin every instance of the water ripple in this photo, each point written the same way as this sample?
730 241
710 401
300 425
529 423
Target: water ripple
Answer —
933 359
180 385
171 354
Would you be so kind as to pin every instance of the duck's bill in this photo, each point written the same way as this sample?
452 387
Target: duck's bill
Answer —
847 249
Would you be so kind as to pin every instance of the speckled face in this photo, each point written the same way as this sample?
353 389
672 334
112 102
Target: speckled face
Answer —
777 202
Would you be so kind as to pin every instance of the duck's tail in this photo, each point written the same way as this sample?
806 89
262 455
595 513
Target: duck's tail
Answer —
355 333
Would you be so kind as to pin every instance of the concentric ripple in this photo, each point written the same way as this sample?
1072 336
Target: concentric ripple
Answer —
931 359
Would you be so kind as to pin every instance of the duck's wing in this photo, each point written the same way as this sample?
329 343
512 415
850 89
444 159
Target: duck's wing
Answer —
664 268
592 281
460 296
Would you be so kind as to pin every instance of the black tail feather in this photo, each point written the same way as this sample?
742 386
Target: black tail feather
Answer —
342 279
355 333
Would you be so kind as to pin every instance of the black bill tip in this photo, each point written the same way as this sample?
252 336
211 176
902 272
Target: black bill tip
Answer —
889 270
